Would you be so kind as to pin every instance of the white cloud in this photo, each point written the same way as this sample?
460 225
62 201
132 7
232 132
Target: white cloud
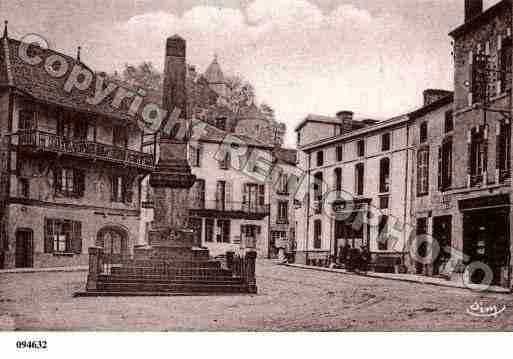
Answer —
300 59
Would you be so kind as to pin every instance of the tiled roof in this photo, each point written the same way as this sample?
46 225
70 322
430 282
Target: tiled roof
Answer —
203 131
36 82
286 155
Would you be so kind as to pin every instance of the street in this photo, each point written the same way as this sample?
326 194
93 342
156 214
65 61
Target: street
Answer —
289 299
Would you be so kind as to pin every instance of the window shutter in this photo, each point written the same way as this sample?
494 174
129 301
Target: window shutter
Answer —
57 176
261 196
127 190
79 182
440 169
193 152
48 244
113 186
229 194
77 237
419 172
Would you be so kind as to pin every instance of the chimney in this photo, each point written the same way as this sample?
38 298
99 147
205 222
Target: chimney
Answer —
473 8
433 95
346 118
175 71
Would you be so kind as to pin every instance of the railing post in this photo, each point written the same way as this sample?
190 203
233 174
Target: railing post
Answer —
95 254
249 271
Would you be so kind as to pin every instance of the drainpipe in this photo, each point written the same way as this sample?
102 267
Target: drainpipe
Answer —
308 207
406 186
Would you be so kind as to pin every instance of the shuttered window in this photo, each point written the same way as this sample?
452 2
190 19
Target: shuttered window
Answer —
423 172
63 236
69 182
121 190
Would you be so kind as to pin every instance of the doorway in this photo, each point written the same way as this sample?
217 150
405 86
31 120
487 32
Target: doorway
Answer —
24 255
486 239
442 228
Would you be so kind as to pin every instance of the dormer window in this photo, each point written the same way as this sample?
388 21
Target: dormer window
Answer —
320 158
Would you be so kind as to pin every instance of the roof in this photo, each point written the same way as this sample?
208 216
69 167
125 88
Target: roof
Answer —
484 17
214 74
431 107
205 132
326 120
395 121
35 82
286 155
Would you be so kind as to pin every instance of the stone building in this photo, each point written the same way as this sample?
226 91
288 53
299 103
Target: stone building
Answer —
71 167
284 181
229 202
475 200
354 171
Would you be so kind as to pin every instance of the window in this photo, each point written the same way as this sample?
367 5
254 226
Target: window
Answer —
221 123
298 138
195 155
338 179
283 184
69 182
223 231
120 137
423 133
225 163
505 64
445 165
423 172
340 153
421 226
479 77
221 195
64 127
385 142
24 190
253 196
384 202
317 186
359 179
504 151
477 156
27 120
197 194
320 158
121 191
317 234
383 233
283 212
360 148
80 129
63 236
384 175
209 229
449 121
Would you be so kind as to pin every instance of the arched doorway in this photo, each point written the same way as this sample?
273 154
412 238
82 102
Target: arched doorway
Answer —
114 241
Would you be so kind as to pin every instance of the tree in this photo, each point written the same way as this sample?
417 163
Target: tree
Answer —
143 75
241 95
268 112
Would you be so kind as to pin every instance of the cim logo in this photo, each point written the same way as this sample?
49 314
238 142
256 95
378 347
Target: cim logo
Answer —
483 309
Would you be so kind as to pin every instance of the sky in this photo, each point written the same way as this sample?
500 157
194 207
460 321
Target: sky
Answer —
373 57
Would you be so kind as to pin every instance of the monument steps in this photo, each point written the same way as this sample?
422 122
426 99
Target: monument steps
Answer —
190 287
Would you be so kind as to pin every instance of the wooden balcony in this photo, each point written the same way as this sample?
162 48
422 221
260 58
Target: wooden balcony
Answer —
40 141
229 209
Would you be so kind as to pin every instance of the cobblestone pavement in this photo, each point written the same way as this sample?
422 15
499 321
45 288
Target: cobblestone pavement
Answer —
289 299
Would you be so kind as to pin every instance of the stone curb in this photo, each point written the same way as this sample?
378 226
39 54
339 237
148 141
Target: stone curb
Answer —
402 278
42 270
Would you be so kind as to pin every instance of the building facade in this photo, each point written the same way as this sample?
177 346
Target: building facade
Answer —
230 201
358 191
71 170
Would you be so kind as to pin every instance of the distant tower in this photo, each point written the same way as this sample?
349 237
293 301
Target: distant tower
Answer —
215 78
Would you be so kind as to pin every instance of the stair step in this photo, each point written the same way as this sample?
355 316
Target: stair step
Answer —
164 287
165 279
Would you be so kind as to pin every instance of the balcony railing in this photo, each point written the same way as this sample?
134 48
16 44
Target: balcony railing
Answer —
230 208
49 142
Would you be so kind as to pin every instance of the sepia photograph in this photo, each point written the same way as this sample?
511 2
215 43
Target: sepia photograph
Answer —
236 166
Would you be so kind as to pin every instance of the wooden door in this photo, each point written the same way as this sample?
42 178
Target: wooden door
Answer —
24 255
